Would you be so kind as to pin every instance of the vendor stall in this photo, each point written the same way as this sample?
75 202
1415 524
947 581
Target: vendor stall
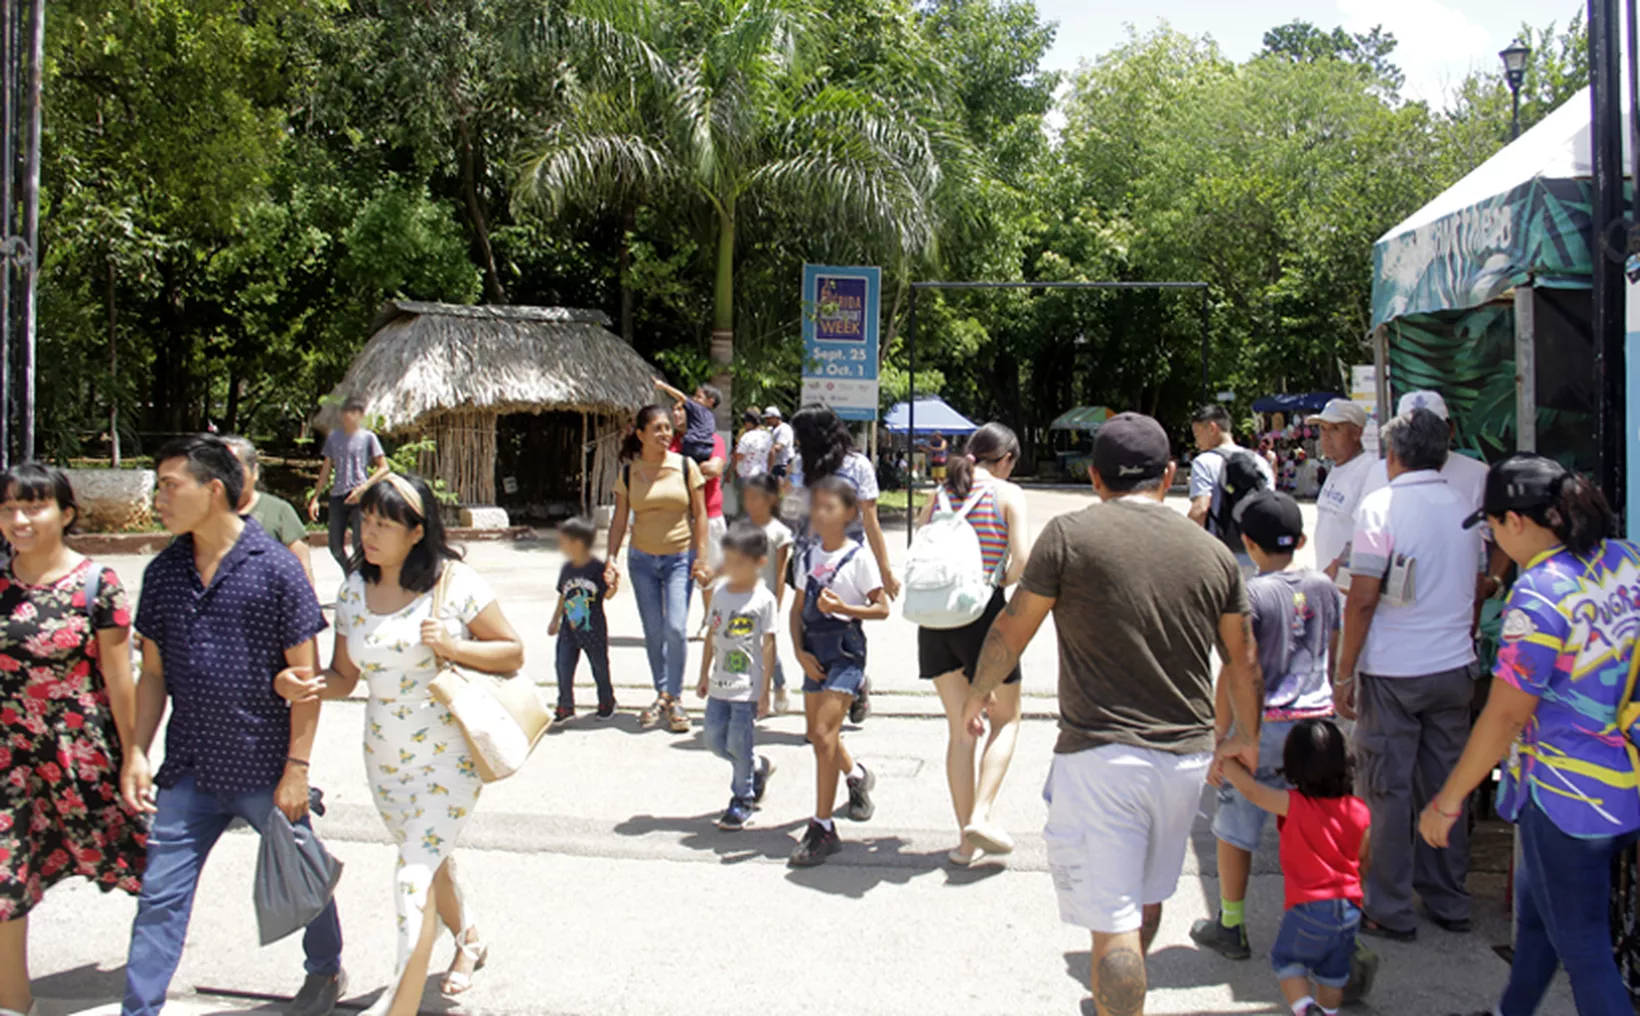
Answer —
1072 436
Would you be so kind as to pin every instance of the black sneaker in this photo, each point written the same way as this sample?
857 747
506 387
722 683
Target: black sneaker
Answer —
1363 971
319 995
563 713
1231 943
606 709
1314 1009
760 777
818 844
735 817
860 808
860 708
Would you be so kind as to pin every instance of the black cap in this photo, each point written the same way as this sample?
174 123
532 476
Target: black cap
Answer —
1520 482
1130 448
1272 520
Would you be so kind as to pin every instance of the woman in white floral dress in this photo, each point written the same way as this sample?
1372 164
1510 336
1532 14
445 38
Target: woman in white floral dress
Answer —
422 778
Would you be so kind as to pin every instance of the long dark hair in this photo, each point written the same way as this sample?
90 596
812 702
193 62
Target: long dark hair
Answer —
36 481
989 445
1316 760
1579 516
823 442
426 559
632 443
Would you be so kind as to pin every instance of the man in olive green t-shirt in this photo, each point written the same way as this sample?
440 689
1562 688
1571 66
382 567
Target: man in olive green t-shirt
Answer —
273 514
1140 595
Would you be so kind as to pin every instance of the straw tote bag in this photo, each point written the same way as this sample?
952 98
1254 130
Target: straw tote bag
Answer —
500 714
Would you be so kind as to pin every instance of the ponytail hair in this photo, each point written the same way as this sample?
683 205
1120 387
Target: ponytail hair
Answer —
1579 515
989 445
632 443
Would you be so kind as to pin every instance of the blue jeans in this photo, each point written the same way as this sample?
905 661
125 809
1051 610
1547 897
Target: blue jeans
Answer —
1562 891
344 516
1238 821
660 582
1316 940
187 827
569 654
730 728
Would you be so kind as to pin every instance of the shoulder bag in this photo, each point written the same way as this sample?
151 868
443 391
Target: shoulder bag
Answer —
500 715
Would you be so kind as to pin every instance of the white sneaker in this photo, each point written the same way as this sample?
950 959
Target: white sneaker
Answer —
992 839
782 702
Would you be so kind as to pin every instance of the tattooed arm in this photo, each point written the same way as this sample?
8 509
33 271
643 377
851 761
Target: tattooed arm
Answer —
1009 635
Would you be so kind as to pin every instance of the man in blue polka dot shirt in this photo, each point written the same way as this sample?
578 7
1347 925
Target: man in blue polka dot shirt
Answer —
224 610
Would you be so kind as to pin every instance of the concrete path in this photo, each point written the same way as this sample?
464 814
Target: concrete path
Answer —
604 889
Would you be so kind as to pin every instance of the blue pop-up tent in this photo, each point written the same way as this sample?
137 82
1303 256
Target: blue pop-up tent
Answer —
933 415
1307 402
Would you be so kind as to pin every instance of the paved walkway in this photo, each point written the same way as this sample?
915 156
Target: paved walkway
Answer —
604 889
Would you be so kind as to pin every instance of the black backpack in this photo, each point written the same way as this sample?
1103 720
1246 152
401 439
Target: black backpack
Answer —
1240 477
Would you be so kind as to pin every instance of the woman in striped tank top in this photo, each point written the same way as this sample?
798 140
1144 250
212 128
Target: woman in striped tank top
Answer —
949 657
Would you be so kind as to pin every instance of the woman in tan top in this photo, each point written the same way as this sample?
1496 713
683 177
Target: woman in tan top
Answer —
663 492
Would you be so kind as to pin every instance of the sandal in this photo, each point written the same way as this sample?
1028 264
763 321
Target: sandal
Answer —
678 718
652 715
457 982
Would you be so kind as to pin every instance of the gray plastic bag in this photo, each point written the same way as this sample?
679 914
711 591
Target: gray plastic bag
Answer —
295 878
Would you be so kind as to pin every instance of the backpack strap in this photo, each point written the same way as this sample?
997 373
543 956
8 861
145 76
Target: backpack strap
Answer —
808 563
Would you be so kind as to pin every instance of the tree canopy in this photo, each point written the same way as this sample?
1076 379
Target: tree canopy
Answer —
231 191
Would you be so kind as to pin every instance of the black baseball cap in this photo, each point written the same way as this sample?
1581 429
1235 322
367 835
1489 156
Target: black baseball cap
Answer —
1272 520
1520 482
1130 448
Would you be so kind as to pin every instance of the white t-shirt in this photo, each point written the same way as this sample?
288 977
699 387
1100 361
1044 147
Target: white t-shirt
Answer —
779 536
1466 475
857 580
782 435
753 453
1335 508
1419 516
739 622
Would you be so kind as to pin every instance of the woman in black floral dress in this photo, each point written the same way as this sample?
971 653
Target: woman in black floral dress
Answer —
67 705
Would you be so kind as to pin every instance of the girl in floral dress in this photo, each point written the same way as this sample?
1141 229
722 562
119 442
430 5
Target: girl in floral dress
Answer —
67 705
422 779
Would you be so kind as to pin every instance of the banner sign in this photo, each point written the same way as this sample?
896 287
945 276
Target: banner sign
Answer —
840 320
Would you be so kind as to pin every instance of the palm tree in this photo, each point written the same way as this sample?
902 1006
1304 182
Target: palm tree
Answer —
716 102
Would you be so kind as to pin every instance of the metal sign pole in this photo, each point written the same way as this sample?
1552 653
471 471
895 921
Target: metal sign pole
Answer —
911 423
31 222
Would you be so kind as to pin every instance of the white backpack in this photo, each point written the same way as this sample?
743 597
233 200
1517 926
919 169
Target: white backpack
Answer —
945 581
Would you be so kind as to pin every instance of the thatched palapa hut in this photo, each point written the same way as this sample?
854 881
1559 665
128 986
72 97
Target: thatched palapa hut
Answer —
535 397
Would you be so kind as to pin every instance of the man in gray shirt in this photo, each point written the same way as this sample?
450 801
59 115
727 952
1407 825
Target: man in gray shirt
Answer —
354 460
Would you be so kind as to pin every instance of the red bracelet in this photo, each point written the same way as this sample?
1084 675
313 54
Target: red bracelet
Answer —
1445 814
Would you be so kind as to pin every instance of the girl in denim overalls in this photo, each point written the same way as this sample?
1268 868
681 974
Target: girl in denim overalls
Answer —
839 586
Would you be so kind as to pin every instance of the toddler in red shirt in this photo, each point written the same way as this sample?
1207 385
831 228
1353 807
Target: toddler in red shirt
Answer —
1323 852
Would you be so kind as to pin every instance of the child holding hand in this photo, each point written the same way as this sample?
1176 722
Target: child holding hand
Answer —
1323 852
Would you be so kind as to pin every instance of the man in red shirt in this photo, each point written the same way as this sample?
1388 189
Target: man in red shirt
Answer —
712 469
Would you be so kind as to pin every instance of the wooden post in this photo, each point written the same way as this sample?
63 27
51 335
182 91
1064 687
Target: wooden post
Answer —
1525 371
586 508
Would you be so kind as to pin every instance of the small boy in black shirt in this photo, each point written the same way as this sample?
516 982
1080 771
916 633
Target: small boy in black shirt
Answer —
702 425
579 620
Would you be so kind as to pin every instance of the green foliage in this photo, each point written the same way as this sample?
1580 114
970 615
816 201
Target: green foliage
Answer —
231 191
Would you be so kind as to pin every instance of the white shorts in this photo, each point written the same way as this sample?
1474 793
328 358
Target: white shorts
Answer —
1119 821
716 529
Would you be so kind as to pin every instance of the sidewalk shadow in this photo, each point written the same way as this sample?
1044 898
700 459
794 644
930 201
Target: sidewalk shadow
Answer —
1178 966
88 983
762 739
755 842
864 864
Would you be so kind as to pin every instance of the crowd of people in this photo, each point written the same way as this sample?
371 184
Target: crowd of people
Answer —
1344 700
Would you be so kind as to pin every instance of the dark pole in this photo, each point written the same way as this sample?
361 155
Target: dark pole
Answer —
911 423
1606 141
1206 308
1514 113
8 124
31 221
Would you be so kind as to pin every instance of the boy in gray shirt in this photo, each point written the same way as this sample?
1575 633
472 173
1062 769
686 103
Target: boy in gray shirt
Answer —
354 460
735 668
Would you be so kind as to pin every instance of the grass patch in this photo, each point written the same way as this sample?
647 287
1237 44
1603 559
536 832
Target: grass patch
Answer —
899 500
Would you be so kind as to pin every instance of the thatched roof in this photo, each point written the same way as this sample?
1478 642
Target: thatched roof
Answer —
431 358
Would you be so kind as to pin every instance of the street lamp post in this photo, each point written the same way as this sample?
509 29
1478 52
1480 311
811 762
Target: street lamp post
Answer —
1514 72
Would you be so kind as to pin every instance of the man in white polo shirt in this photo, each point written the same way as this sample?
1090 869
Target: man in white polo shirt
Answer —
1405 672
1341 423
1466 475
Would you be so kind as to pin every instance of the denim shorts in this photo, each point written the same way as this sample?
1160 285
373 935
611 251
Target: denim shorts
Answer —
1239 822
1316 940
842 654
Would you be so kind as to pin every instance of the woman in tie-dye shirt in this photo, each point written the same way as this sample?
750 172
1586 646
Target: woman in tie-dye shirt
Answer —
1570 785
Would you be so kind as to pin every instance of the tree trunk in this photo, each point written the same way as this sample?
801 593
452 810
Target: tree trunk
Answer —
623 266
230 421
723 317
113 373
493 291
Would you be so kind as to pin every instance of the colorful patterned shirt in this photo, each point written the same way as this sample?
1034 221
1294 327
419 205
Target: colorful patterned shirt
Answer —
1568 633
